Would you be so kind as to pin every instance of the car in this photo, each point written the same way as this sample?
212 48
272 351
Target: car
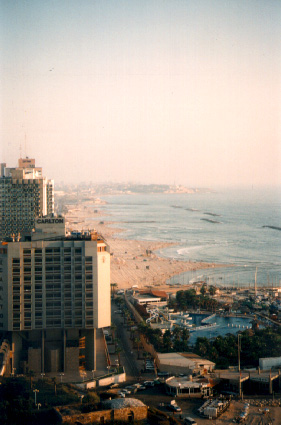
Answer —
149 383
189 421
125 391
118 311
132 389
163 374
141 388
137 385
174 408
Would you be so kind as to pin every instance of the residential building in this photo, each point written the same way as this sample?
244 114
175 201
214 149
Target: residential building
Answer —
24 195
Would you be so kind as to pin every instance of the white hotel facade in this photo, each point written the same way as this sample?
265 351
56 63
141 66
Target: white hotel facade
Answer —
54 294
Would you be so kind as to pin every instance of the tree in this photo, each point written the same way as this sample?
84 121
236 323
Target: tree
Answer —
113 329
137 341
203 289
212 290
113 287
167 341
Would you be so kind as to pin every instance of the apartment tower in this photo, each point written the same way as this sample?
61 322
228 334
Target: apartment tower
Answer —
24 195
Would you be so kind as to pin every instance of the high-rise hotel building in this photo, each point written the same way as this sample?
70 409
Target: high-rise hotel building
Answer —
54 294
25 194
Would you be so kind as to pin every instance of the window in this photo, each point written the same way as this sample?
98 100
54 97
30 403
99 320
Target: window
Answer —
16 270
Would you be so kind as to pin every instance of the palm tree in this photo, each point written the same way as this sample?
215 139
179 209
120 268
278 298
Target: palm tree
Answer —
113 287
113 329
137 341
212 290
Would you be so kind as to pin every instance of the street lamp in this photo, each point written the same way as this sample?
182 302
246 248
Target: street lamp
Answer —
239 349
42 376
35 393
179 389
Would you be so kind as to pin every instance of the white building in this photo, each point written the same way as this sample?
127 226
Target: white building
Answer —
24 195
54 294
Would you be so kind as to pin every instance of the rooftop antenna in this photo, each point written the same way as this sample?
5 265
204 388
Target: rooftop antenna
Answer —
25 144
256 281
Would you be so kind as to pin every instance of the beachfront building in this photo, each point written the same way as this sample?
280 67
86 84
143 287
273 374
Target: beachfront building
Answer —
24 195
189 387
54 294
150 297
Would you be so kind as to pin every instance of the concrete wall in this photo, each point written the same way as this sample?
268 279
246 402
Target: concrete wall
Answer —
138 413
34 359
72 359
103 289
53 359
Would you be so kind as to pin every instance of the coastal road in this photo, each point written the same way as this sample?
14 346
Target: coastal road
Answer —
127 355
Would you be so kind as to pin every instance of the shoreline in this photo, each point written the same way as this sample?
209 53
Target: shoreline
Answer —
135 262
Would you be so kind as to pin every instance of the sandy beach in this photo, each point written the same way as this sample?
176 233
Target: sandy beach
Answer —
133 262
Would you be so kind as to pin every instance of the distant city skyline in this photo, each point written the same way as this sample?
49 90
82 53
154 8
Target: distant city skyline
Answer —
163 92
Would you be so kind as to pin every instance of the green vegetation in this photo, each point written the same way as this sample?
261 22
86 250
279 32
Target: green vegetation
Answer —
188 299
169 341
224 350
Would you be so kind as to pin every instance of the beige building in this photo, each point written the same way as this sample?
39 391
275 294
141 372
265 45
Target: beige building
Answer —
54 294
25 194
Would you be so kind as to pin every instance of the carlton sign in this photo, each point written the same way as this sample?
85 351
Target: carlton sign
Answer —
50 220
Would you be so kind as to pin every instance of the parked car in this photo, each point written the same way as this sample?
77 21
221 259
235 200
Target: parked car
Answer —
137 385
149 383
174 407
132 389
189 421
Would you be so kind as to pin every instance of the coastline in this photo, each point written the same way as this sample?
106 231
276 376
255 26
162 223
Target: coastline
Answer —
134 262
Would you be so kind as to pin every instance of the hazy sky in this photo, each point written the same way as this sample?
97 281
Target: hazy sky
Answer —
151 91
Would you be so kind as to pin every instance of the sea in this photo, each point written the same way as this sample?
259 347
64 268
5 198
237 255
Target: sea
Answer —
237 228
